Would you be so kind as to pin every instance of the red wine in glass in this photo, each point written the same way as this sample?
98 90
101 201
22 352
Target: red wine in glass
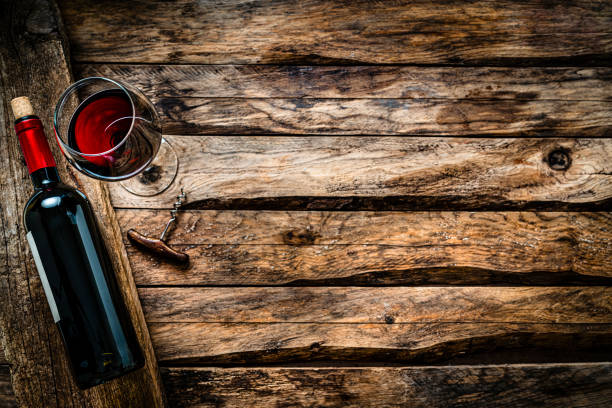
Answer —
98 130
110 130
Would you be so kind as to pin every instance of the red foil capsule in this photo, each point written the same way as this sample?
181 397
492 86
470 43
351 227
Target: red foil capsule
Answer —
34 144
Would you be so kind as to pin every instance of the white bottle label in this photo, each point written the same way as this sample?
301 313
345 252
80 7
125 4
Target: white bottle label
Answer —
43 277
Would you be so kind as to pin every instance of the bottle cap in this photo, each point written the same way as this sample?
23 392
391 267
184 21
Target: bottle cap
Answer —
22 107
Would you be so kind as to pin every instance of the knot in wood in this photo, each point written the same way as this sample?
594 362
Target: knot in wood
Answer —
559 159
150 175
300 237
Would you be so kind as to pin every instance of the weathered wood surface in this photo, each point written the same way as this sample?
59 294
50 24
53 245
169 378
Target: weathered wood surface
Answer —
255 343
512 386
317 248
348 32
291 272
583 231
232 116
7 397
33 63
378 305
265 81
383 173
234 325
374 100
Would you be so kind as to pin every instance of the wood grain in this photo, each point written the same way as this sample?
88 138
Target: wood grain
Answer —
238 325
232 116
512 386
413 228
7 396
259 343
265 81
348 32
33 63
378 305
374 248
392 172
406 101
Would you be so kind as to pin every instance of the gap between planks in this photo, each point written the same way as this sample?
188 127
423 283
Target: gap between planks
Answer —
7 396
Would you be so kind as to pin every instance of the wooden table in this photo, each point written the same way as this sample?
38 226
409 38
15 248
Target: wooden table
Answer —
389 203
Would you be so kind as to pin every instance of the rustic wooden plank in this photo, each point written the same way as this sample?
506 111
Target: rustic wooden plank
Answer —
299 116
198 100
266 81
391 172
33 63
514 386
317 248
214 265
591 230
378 305
234 32
255 343
7 396
233 325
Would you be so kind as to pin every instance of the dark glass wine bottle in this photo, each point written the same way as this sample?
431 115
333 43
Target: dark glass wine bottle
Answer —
74 267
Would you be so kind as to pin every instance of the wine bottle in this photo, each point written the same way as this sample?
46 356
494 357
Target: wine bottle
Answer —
73 265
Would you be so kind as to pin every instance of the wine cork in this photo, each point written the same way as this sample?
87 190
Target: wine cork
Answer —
22 107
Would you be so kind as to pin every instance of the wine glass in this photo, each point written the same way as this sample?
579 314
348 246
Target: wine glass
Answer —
110 131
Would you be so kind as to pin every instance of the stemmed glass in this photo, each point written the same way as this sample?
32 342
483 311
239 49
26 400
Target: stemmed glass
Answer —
110 131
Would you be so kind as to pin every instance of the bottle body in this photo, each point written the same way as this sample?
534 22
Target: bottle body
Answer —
80 286
76 273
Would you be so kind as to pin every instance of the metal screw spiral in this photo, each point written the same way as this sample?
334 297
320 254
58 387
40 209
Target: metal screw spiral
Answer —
177 204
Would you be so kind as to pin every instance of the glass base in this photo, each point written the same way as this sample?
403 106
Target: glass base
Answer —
158 176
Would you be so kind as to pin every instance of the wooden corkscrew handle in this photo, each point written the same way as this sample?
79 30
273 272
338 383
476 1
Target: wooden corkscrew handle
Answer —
157 247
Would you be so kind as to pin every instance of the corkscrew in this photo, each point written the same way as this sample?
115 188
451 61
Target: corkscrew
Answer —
159 246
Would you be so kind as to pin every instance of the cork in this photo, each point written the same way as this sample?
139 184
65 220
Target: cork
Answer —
21 107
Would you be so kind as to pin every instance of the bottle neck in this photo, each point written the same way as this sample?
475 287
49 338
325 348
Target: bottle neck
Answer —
45 178
36 151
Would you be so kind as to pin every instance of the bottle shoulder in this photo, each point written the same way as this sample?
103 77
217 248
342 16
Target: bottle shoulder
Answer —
60 196
58 190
